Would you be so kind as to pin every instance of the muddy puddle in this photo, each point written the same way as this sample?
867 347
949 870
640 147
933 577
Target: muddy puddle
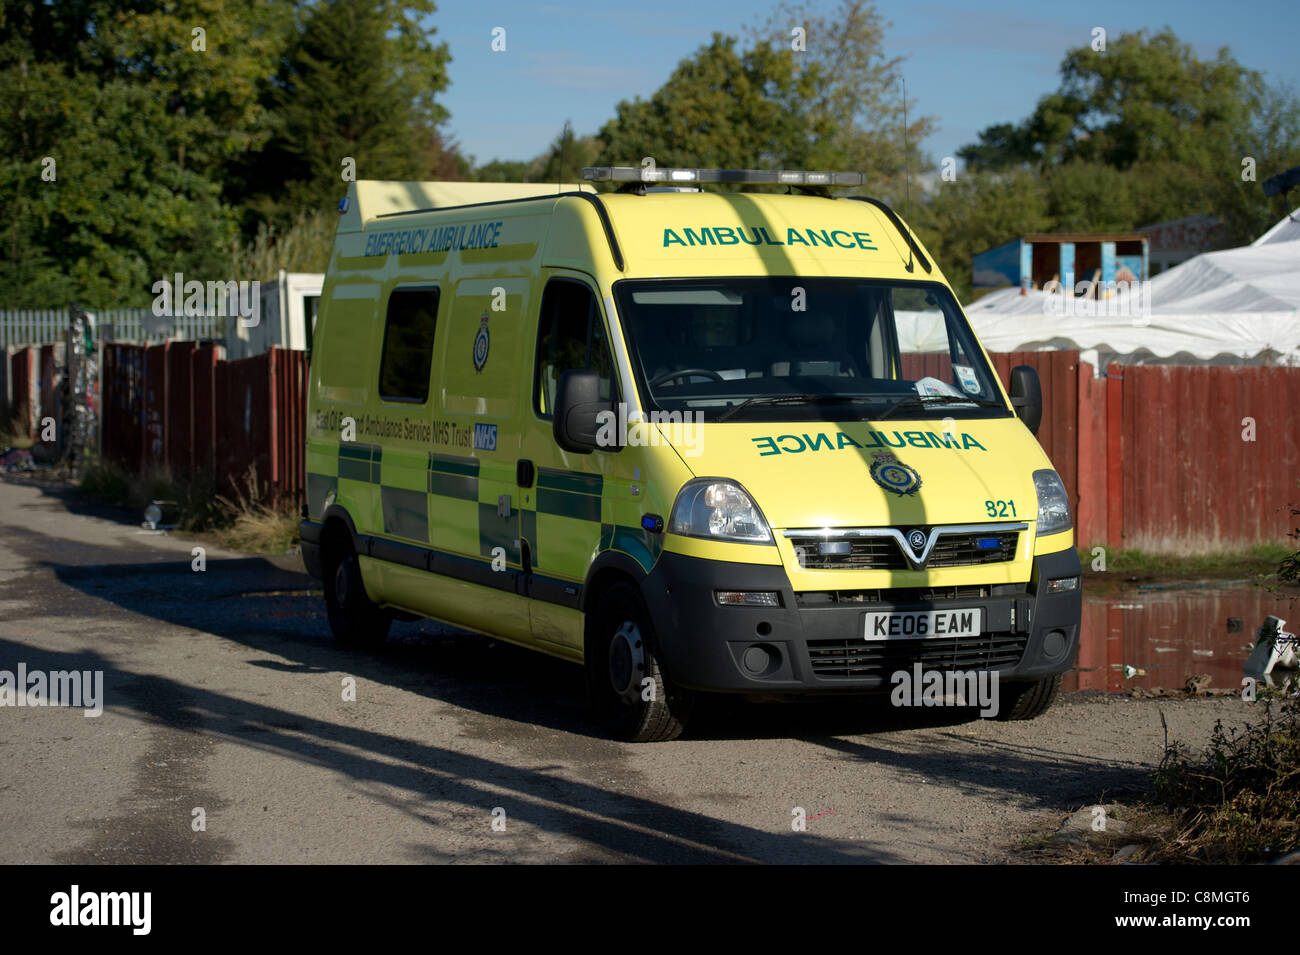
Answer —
1170 633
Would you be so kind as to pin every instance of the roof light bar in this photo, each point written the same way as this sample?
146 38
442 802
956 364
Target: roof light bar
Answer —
776 177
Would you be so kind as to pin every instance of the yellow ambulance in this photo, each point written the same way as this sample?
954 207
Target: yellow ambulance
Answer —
696 441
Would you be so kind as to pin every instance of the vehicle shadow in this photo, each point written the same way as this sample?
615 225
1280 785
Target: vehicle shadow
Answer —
269 609
509 691
616 826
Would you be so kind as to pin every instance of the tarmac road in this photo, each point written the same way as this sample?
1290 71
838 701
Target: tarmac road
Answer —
223 692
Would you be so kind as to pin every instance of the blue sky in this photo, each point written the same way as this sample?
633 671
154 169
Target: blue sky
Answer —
968 65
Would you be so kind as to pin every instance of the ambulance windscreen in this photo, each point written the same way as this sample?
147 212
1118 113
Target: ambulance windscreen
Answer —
769 349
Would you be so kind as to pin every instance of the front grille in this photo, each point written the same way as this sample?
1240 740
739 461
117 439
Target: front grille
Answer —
904 595
961 549
880 658
866 553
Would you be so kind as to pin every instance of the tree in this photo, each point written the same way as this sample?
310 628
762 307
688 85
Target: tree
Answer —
117 211
976 212
850 89
722 108
1140 133
115 131
358 82
169 123
1000 146
1177 127
567 156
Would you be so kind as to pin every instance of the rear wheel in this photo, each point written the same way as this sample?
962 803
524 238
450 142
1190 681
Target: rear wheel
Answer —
1025 701
354 618
625 680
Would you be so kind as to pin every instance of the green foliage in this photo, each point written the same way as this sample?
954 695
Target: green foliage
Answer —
722 108
121 209
976 212
348 90
1141 133
202 154
304 246
193 500
567 155
1239 801
177 151
835 104
1288 571
851 93
562 161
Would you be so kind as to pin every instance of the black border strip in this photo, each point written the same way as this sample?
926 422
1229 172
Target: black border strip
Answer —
898 224
457 567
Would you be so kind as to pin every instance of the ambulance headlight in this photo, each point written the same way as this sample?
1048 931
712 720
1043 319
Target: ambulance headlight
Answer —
718 510
1053 504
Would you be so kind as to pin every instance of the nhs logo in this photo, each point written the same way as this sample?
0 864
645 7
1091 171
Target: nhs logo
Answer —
485 437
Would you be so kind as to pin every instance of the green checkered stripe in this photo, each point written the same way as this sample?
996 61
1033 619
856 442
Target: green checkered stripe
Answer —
360 462
449 488
637 542
569 494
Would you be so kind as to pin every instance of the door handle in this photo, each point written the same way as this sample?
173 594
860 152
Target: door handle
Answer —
524 471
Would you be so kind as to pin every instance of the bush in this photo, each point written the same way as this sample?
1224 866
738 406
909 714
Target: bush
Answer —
1289 570
1240 801
190 503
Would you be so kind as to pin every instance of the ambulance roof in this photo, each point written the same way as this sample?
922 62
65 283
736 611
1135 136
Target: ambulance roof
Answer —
369 199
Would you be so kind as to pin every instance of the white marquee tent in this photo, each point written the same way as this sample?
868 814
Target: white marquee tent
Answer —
1236 306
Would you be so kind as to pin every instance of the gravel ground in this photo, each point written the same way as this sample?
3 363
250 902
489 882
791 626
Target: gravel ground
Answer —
224 693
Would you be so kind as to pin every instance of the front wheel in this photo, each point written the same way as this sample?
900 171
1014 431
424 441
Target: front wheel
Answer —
625 680
1025 701
354 618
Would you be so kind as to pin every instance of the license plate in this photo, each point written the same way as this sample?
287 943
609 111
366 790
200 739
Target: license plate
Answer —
968 622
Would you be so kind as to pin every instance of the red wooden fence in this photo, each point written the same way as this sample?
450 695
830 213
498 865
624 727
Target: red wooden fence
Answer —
25 378
1204 457
178 407
1189 458
1156 457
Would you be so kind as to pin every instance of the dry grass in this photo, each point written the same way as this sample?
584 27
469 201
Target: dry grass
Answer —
251 524
305 246
12 433
245 522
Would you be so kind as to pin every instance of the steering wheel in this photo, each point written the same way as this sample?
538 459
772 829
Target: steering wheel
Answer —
670 375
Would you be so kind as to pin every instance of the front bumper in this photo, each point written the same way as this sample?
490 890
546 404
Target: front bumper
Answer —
814 642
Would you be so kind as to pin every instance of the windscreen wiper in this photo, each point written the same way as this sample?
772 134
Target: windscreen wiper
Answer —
925 401
789 400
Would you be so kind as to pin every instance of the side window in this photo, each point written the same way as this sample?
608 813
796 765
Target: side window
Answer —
570 335
408 345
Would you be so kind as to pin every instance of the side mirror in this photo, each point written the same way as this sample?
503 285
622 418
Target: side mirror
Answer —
1027 396
577 404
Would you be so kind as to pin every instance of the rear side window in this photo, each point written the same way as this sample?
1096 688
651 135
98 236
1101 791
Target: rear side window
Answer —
570 335
408 345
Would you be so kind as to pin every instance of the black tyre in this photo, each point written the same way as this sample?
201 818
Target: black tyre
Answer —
625 680
1025 701
355 620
